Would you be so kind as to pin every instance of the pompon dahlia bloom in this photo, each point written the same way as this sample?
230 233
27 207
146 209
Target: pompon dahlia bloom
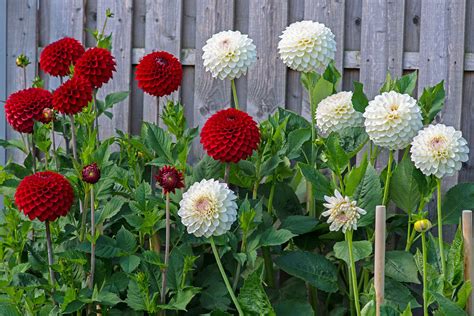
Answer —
228 54
96 65
208 208
307 46
57 57
336 113
392 120
44 195
170 179
343 213
72 96
24 107
230 135
159 74
439 150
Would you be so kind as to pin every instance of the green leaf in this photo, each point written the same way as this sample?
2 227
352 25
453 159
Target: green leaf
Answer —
311 267
108 298
318 87
464 294
407 311
359 99
296 139
114 98
354 177
338 159
361 249
407 83
129 263
182 298
398 295
400 266
110 209
389 84
447 307
273 237
269 165
207 168
7 309
352 140
320 183
293 307
126 240
134 297
432 102
158 140
404 188
455 263
252 296
368 195
299 224
458 198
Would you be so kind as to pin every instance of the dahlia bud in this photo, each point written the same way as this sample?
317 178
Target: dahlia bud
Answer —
140 154
91 173
422 225
170 179
48 115
22 61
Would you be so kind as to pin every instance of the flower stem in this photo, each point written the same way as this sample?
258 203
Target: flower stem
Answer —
387 179
84 217
167 250
96 119
227 172
31 149
353 272
234 94
49 246
91 280
309 186
440 226
224 276
53 147
425 274
73 136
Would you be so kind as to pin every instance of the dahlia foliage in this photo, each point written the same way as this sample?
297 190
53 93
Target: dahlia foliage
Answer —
237 216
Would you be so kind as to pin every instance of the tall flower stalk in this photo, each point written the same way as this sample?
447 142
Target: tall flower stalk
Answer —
353 271
422 226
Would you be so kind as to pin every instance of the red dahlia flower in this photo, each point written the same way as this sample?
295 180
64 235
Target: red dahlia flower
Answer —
230 135
91 173
170 179
96 65
24 107
44 195
57 57
72 96
159 74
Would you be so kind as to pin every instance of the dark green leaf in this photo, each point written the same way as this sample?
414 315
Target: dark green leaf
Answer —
354 177
368 195
126 240
296 139
158 140
252 296
407 83
318 180
311 267
447 307
294 308
110 209
404 188
458 198
361 249
432 101
400 266
299 224
114 98
359 99
129 263
273 237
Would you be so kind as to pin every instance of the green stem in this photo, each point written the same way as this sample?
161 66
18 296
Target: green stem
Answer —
270 198
84 216
224 277
313 297
234 94
425 275
408 245
239 266
353 272
387 179
167 250
92 273
440 227
310 194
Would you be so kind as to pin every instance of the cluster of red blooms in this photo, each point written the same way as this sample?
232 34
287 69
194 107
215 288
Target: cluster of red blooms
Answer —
228 136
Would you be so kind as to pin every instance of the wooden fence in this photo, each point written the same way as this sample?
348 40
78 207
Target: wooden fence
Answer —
433 37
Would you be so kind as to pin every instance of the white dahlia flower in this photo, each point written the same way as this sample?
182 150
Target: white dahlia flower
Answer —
336 113
228 54
307 46
208 208
343 213
439 150
392 120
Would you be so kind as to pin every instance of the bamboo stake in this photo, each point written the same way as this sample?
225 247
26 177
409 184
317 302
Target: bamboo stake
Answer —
379 265
467 235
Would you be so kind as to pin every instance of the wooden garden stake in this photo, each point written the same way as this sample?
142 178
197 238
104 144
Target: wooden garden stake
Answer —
467 235
379 265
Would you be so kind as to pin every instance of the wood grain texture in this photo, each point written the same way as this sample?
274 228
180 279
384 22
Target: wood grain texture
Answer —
210 95
3 76
22 16
266 78
121 28
162 33
468 269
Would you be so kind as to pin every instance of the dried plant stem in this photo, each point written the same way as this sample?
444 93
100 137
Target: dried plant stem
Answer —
49 247
167 249
440 227
96 119
31 149
224 277
91 279
467 235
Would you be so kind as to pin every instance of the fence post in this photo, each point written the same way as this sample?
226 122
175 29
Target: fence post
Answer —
467 235
379 265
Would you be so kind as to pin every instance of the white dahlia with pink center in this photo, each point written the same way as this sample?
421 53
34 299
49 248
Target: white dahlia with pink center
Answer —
342 212
208 208
439 150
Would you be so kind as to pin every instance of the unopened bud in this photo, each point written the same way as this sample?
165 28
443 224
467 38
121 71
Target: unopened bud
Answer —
48 115
422 225
22 61
91 173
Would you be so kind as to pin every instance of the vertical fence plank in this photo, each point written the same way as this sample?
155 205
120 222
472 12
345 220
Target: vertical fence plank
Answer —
22 16
3 75
162 32
121 27
188 40
331 13
241 23
210 94
442 58
352 38
266 79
